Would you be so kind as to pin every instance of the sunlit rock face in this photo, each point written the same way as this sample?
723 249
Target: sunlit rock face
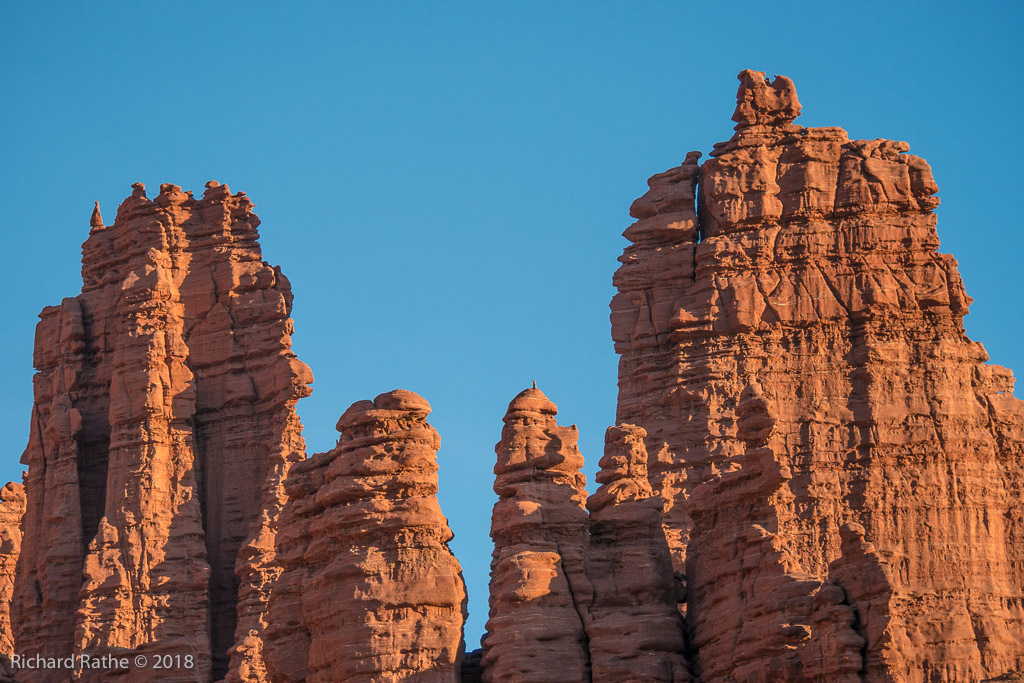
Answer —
370 590
539 587
163 427
824 436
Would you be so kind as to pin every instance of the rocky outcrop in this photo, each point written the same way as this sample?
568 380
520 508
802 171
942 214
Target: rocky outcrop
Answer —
163 427
370 590
633 623
12 508
539 587
791 285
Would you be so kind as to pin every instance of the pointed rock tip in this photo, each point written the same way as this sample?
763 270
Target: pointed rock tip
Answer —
96 220
139 190
763 102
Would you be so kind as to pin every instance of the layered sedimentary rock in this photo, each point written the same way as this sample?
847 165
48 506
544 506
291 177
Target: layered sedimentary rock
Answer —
825 437
12 508
539 590
633 625
163 427
370 590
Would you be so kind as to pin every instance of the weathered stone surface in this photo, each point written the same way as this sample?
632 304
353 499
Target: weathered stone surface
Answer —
633 623
163 427
12 509
369 590
798 360
539 588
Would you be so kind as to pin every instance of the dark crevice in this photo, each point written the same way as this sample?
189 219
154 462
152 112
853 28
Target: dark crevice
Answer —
579 612
93 442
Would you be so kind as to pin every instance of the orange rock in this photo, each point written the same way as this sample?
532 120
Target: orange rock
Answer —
634 629
799 364
369 590
12 508
165 398
539 587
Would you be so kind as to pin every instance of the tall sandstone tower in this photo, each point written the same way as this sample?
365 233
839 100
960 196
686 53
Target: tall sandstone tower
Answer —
163 428
841 471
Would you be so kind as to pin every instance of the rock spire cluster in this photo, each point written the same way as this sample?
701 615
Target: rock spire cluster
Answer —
815 476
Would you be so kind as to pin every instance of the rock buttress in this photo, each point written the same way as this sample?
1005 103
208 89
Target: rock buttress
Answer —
370 590
808 264
634 626
539 590
163 427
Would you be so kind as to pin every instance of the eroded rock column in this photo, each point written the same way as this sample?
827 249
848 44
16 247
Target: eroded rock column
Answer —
634 625
539 590
369 589
163 427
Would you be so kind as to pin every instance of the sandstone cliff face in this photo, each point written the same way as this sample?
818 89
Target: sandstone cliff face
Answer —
163 427
539 587
793 345
370 590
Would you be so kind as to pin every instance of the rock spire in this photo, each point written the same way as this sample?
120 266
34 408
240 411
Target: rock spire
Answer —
539 587
163 427
792 342
370 590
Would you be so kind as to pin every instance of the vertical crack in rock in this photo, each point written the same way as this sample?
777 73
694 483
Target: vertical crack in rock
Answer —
164 399
535 631
370 590
816 287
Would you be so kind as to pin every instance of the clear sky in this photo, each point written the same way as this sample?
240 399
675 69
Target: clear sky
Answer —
446 183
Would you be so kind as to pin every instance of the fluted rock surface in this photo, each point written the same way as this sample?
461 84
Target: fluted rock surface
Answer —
163 427
369 589
539 590
801 266
633 623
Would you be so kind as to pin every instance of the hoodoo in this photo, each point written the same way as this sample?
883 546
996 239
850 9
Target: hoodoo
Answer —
370 590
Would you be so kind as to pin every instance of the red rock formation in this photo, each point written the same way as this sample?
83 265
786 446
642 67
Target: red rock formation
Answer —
163 428
539 588
813 273
370 590
633 623
12 508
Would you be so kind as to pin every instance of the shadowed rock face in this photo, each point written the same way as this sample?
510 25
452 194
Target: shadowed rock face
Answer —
163 427
539 588
370 590
792 342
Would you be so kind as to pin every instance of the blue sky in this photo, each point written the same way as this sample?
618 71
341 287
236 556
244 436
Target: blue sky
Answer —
446 184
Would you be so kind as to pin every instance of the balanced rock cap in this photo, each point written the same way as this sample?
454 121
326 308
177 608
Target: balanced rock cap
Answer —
531 400
763 102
